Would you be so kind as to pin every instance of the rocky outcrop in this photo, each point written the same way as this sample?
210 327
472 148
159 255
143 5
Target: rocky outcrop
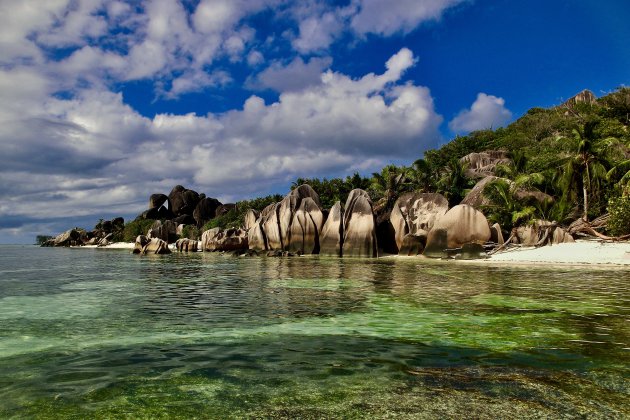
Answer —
305 228
271 227
459 226
412 245
359 239
224 209
331 239
496 234
542 232
250 219
187 245
477 199
480 165
205 210
71 237
157 200
166 231
146 245
289 206
256 238
183 201
218 239
416 214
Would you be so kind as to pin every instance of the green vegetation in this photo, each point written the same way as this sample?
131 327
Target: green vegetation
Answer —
573 160
236 216
42 239
135 228
619 209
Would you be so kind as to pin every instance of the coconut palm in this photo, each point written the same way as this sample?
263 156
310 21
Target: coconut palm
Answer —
587 165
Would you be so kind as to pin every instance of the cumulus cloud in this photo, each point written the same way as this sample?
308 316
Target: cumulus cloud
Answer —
384 17
294 76
487 111
93 154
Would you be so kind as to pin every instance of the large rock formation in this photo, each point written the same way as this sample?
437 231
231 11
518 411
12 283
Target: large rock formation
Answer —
359 239
542 232
480 165
256 238
205 210
477 199
166 231
271 227
157 200
460 225
416 214
250 219
218 239
186 245
331 239
183 201
305 228
146 245
289 206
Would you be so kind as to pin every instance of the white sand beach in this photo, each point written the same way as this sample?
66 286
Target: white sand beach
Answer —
580 252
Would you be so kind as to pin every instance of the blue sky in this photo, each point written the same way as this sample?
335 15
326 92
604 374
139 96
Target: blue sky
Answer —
106 102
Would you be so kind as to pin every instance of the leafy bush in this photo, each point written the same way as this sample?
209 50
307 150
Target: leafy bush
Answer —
135 228
191 232
619 209
236 216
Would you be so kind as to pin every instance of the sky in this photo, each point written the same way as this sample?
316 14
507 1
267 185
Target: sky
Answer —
103 103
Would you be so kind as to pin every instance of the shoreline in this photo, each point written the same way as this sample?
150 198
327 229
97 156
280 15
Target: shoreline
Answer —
581 253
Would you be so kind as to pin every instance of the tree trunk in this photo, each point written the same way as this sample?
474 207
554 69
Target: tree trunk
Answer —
585 191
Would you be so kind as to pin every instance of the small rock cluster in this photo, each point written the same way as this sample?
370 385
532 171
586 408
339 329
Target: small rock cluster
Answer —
103 234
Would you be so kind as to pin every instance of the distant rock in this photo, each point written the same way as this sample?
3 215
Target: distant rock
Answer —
477 199
157 200
224 209
205 210
480 165
183 201
218 239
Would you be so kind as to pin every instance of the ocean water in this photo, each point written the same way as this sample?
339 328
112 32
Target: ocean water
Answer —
91 333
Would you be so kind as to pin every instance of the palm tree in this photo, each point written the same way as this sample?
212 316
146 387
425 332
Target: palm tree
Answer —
586 167
506 209
390 183
453 182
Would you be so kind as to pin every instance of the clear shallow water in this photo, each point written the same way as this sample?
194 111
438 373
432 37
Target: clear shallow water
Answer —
103 333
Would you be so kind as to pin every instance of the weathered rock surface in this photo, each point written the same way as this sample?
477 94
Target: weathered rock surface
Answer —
496 234
256 238
477 199
146 245
271 227
224 208
187 245
305 227
157 200
183 201
71 237
460 225
250 219
542 232
166 231
218 239
289 206
483 164
359 226
205 210
413 244
331 239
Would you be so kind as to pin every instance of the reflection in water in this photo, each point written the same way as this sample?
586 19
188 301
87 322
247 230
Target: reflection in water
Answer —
103 333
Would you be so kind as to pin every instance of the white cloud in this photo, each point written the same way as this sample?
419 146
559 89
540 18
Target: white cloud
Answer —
294 76
486 112
316 33
385 17
94 155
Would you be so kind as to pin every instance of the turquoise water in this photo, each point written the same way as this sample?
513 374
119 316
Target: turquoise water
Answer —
89 333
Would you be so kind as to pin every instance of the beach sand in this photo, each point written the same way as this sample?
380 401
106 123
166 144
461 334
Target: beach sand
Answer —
580 252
